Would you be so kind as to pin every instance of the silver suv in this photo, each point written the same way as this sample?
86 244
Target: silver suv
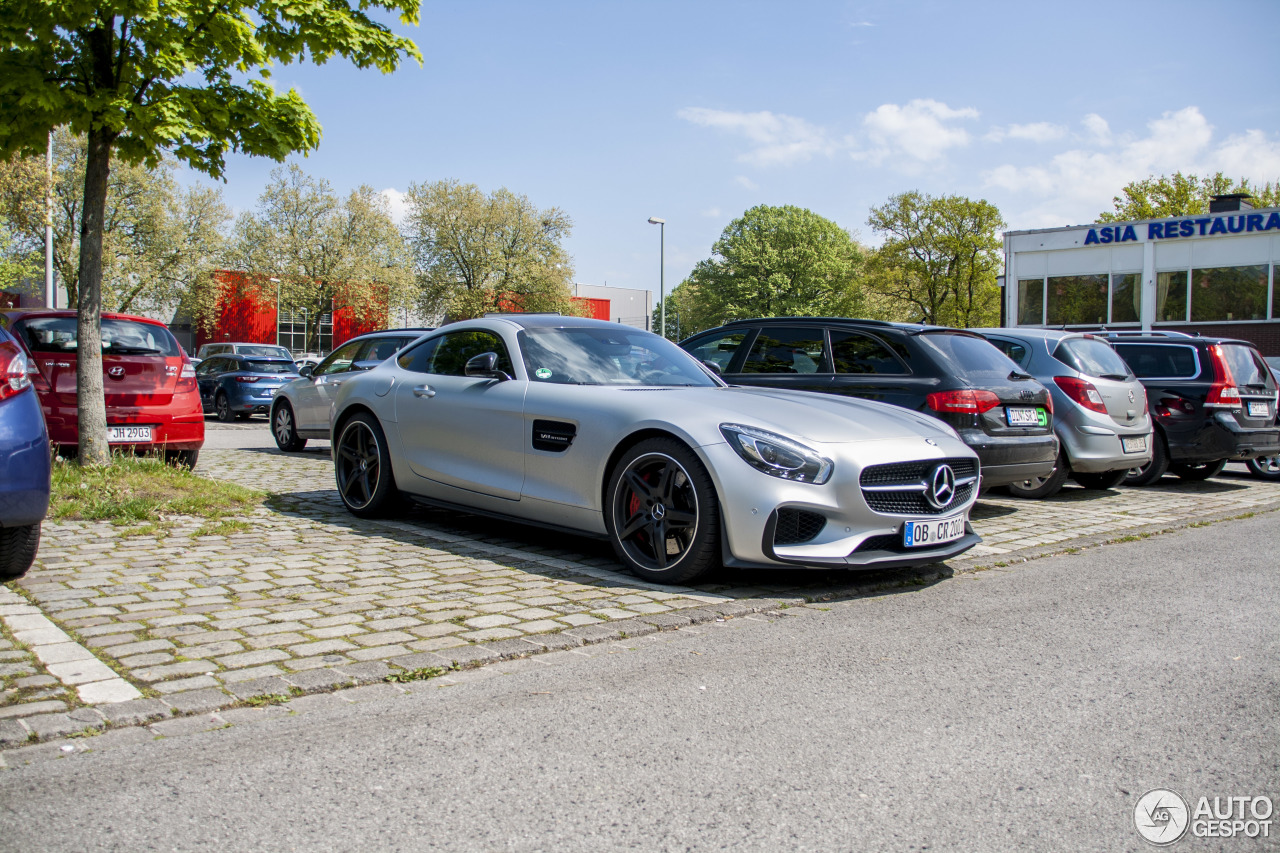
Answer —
1099 407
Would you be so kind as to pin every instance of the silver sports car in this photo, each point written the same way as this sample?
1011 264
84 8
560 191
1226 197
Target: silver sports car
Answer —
606 430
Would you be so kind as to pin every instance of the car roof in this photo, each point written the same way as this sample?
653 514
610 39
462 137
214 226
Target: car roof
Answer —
555 321
909 328
1042 334
1191 340
17 314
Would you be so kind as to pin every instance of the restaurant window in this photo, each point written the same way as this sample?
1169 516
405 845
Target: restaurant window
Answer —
1030 301
1126 297
1229 293
1171 297
1076 300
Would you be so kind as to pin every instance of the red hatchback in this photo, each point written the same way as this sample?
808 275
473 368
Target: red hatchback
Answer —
153 402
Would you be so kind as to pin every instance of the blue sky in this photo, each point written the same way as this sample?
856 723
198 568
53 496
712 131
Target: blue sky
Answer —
696 111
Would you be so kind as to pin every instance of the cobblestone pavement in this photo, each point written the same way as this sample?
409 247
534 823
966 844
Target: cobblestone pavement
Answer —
301 597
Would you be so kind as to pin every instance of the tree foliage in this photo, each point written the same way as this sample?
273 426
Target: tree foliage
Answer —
775 262
939 260
1182 195
158 238
476 253
324 250
138 79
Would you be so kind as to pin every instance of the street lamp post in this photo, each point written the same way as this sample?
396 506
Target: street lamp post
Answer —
662 269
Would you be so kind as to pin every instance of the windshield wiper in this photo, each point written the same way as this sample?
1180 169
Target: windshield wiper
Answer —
1018 375
117 349
1118 377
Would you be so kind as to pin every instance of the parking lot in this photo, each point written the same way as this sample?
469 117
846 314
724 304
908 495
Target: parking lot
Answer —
304 597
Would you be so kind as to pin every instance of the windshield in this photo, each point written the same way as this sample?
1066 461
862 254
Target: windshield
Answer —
970 357
255 366
119 337
596 356
264 350
1092 357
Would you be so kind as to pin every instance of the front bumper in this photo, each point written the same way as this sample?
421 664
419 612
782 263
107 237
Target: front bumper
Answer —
852 536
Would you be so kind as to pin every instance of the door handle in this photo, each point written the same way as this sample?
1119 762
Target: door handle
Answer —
424 391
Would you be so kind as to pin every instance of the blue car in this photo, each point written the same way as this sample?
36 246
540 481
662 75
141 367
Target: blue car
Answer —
237 386
25 468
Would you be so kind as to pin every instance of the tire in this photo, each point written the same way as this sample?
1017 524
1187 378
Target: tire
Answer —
659 491
1201 471
362 468
1150 473
285 429
1043 487
182 458
1264 467
222 407
1105 480
18 546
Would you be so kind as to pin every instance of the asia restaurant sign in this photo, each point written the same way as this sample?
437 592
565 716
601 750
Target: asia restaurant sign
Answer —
1204 226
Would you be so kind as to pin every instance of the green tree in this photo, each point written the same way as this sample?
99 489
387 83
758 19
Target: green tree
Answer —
138 79
324 251
476 253
777 262
157 237
1182 195
939 259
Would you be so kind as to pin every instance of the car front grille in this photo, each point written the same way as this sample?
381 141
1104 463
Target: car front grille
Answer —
796 526
901 488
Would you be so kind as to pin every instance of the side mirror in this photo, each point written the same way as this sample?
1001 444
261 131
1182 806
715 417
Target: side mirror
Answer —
713 367
305 371
485 365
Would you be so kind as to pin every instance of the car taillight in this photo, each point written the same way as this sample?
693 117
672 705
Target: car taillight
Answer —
1082 392
1172 407
247 378
187 378
14 377
973 402
1223 392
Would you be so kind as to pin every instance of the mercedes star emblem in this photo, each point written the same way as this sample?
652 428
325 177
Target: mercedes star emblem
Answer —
942 488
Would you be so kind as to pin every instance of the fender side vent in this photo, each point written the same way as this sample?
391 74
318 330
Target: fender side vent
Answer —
555 436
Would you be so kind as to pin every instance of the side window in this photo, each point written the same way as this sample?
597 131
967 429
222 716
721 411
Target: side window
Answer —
852 352
1016 351
207 367
418 359
382 349
788 350
457 348
339 361
719 349
1163 361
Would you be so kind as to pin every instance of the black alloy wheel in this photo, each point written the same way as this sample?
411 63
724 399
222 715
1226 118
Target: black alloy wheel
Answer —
1145 475
1264 467
1102 481
1197 471
362 467
663 515
284 430
222 407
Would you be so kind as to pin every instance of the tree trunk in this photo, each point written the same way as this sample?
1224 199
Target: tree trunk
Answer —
90 399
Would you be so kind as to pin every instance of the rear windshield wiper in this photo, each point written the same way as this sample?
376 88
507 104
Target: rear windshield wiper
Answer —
1118 377
1018 375
117 349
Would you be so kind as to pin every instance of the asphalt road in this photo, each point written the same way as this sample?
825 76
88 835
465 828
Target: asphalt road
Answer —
1017 709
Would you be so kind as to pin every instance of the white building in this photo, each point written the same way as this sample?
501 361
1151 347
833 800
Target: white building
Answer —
626 305
1213 275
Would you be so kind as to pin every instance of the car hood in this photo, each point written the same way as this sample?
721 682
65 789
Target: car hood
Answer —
816 417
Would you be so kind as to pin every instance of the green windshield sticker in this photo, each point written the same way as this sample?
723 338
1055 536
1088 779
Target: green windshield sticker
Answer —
542 373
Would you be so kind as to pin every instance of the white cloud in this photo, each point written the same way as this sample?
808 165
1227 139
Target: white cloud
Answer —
711 213
1075 185
778 139
1041 131
922 130
746 183
398 203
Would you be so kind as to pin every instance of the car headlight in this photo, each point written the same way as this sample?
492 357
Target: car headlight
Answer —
777 455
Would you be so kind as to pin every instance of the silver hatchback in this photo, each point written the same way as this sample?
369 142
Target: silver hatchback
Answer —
1099 407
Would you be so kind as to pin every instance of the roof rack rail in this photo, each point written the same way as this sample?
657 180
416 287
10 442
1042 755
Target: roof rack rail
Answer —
1150 334
523 314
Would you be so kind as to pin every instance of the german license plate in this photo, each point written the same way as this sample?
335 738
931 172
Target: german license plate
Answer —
1134 445
1022 417
128 434
1259 410
921 534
